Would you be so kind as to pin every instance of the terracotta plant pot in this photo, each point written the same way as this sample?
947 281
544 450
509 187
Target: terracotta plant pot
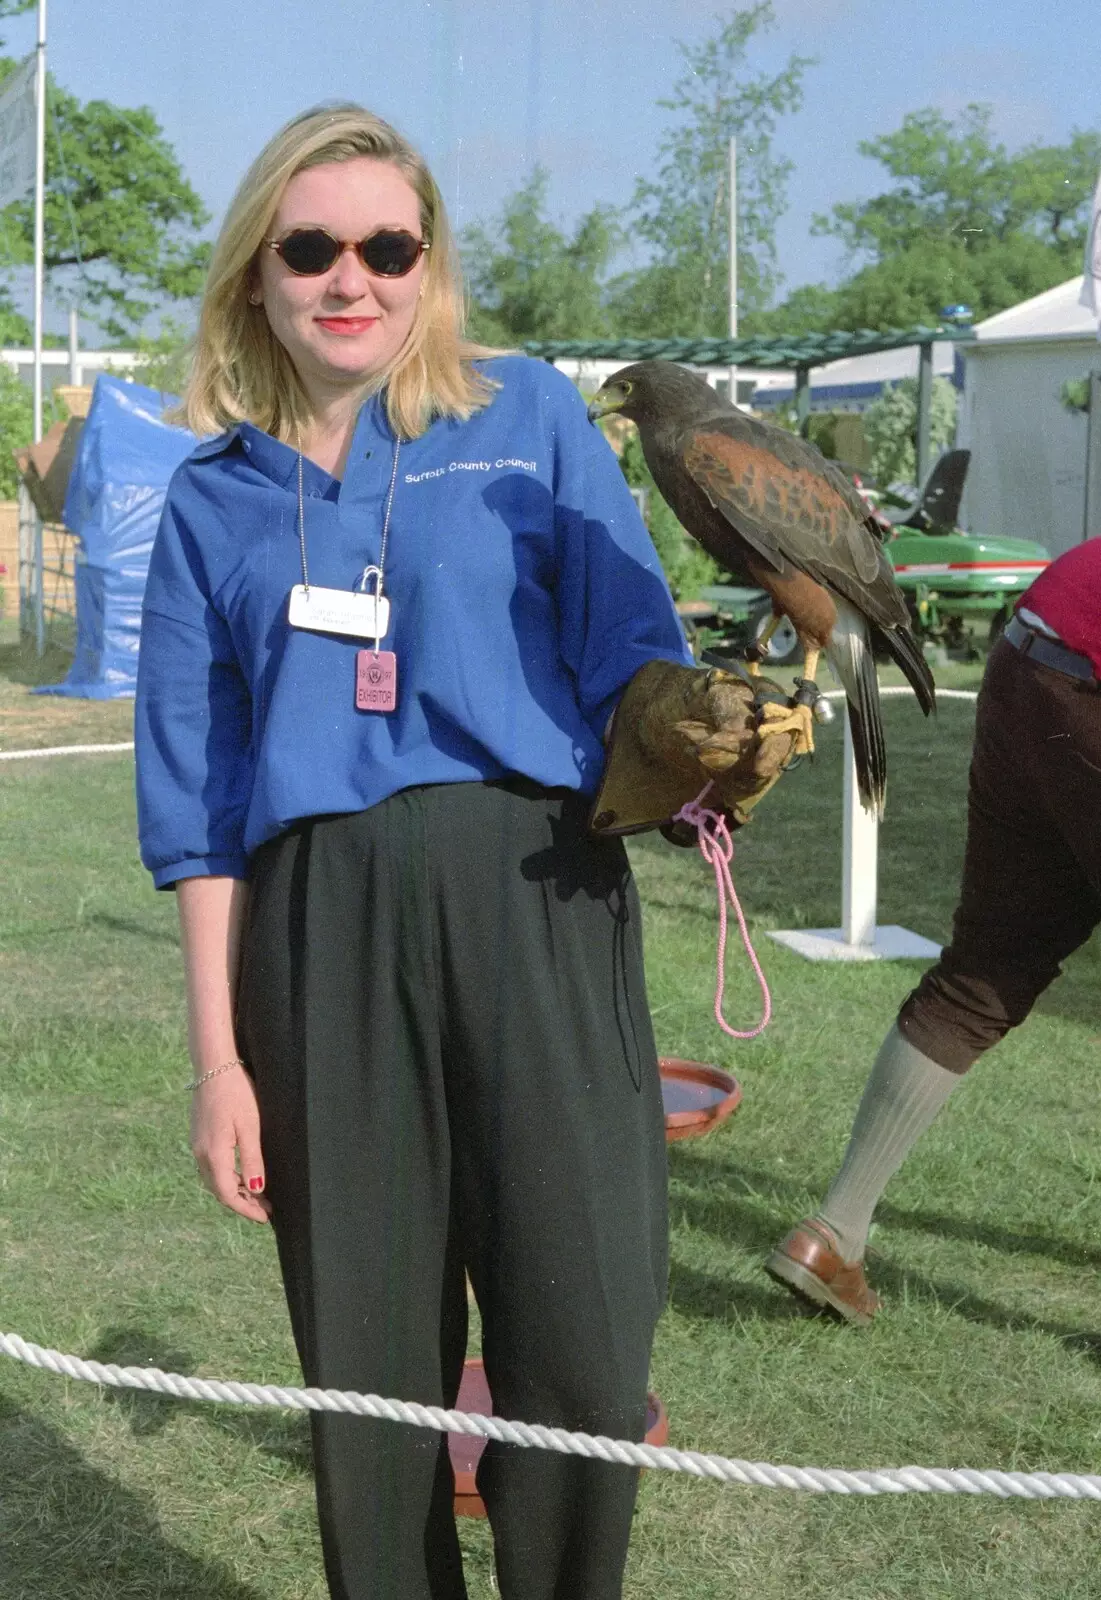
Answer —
696 1097
466 1451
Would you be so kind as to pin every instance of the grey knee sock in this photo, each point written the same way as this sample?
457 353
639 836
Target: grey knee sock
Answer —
901 1098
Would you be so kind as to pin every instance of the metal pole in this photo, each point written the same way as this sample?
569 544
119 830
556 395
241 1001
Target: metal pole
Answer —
924 412
39 255
1091 528
802 398
39 211
74 346
733 262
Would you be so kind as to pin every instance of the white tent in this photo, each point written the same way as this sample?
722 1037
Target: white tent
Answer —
1028 452
852 384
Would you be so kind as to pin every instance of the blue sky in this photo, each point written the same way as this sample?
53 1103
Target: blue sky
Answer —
485 87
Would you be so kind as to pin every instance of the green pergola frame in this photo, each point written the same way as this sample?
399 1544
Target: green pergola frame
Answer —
798 354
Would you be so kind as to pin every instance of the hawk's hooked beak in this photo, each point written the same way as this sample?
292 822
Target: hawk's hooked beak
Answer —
605 402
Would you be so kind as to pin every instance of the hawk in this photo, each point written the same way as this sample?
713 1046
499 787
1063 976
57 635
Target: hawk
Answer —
774 512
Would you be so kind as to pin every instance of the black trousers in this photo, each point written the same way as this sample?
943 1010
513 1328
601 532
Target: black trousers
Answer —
1031 890
443 1004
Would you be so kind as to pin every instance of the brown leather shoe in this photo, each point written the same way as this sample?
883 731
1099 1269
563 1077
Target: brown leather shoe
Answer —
809 1263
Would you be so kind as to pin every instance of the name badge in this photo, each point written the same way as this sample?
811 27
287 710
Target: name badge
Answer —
346 611
376 680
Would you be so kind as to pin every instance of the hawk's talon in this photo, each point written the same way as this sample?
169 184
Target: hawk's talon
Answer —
754 655
797 719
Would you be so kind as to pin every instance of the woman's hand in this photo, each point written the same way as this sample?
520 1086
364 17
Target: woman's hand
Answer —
225 1119
225 1141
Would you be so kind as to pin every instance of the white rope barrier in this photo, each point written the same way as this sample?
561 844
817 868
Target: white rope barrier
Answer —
719 1469
64 750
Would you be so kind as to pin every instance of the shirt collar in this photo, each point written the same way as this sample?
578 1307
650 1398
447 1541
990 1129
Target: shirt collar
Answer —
279 461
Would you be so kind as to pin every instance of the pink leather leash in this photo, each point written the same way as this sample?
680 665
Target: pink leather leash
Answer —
717 849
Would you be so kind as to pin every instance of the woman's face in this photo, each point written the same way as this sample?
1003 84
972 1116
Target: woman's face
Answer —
342 328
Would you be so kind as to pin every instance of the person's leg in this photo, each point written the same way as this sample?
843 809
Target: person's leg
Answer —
338 1021
901 1099
1030 895
558 1140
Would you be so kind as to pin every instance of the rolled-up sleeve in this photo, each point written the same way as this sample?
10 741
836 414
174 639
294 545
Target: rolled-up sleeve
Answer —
616 611
192 716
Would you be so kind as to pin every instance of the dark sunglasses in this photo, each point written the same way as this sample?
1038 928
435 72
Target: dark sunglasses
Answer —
308 252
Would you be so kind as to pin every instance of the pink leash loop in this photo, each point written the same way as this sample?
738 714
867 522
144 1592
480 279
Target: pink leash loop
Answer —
717 849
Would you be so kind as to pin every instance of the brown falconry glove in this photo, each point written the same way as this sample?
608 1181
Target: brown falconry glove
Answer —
675 729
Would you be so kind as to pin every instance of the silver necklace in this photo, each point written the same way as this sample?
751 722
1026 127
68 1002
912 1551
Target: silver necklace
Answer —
378 569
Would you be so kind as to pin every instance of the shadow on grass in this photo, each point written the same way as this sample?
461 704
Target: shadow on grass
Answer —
1069 1251
962 1300
284 1435
750 1219
754 1226
699 1294
19 664
70 1529
101 919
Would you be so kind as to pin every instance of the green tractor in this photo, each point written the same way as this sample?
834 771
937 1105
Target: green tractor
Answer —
953 581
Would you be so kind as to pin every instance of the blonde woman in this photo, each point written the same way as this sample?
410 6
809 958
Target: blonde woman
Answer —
392 604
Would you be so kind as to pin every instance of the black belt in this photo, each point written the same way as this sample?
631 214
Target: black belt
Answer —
1049 652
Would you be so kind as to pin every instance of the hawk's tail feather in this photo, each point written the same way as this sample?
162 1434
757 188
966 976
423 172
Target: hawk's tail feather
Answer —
907 653
850 655
869 746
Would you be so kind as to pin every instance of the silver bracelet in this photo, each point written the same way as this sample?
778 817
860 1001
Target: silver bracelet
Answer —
227 1066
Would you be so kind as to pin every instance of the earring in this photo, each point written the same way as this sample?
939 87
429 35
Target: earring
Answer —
254 298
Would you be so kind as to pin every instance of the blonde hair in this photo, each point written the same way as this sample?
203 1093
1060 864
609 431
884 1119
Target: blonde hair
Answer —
240 371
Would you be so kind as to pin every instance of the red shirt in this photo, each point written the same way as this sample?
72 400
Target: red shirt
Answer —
1067 595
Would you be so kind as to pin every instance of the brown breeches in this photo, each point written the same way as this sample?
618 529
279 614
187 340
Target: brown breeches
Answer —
1031 890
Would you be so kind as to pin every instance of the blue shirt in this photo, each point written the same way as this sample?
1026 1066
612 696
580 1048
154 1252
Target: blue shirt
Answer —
525 593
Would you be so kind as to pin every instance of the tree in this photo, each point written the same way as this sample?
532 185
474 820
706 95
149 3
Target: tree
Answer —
890 427
812 308
17 424
15 330
121 219
164 359
529 280
964 221
683 214
687 566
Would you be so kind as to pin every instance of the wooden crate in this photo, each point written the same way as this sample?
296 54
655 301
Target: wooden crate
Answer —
58 552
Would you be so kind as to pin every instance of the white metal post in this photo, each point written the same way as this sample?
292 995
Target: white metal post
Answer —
923 437
733 380
75 373
1091 526
859 937
39 211
860 858
39 256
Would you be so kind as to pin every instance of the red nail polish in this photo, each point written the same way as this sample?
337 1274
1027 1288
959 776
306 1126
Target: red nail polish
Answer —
255 1185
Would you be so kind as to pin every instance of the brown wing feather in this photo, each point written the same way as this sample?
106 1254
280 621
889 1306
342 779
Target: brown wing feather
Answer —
791 451
793 514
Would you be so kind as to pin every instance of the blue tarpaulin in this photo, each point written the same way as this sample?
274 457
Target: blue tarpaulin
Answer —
126 455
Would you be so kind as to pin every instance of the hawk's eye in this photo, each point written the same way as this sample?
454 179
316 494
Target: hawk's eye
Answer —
625 389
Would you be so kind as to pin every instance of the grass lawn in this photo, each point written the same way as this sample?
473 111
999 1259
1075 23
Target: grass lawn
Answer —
988 1353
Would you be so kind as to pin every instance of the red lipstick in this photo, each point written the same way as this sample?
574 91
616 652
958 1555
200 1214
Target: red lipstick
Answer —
346 325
